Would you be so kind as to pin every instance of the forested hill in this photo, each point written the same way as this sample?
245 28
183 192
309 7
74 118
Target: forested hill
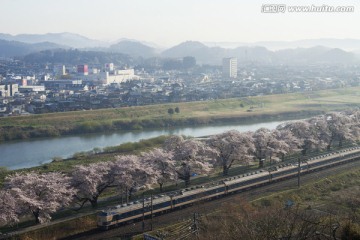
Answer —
74 57
14 48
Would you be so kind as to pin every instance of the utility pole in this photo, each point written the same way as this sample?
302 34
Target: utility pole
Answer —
151 212
195 227
270 176
143 214
299 169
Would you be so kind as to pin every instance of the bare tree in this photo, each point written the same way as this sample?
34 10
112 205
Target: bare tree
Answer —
242 221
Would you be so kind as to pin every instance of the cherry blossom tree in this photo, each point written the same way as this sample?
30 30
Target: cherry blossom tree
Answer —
355 124
8 208
266 145
133 173
189 155
321 131
92 180
339 126
334 127
232 146
40 194
305 133
286 143
163 165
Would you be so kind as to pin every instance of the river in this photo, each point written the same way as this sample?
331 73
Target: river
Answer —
30 153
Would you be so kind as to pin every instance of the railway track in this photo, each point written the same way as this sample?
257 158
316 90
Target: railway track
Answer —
125 232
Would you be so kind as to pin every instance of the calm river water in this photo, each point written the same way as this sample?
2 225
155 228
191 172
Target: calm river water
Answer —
30 153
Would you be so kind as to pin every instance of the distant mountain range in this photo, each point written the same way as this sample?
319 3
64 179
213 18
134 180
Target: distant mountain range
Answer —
133 48
214 55
15 48
74 57
67 39
297 52
345 44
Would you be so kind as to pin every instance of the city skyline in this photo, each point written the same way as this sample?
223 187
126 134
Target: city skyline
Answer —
170 22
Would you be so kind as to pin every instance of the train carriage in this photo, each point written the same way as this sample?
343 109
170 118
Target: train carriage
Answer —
135 211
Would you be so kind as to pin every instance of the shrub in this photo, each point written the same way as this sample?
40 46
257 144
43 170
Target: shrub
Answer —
57 159
80 155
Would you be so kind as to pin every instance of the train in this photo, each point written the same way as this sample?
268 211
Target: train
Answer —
140 209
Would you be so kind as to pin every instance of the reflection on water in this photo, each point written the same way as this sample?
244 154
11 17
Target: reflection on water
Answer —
23 154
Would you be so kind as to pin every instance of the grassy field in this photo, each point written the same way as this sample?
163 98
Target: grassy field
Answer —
191 113
337 192
321 100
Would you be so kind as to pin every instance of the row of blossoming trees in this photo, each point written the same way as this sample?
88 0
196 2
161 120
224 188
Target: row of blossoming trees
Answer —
42 194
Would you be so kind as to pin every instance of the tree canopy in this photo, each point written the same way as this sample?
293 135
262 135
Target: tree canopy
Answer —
42 194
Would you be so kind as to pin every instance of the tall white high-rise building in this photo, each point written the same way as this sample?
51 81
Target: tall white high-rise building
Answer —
229 67
60 70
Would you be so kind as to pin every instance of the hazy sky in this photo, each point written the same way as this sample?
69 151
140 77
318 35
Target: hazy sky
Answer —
169 22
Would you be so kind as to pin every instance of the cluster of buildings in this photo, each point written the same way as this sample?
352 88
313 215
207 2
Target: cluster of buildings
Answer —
50 90
107 75
44 89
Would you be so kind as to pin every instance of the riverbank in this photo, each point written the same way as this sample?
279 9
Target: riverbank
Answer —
43 151
264 108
